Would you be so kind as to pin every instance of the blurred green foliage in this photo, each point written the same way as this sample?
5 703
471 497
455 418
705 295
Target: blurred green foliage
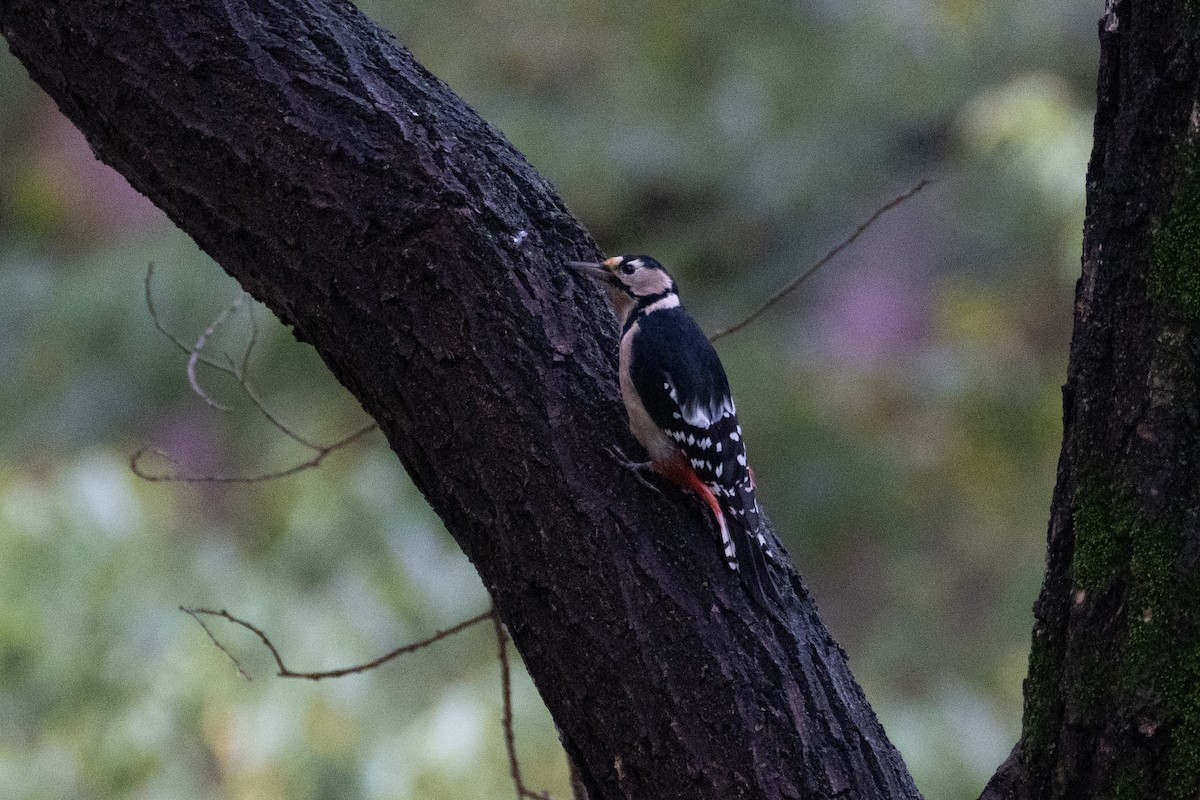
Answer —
902 410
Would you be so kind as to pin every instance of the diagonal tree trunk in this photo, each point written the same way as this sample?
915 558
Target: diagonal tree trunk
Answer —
1112 701
404 238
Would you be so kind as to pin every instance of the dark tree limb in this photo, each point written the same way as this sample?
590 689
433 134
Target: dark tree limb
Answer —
1112 702
403 237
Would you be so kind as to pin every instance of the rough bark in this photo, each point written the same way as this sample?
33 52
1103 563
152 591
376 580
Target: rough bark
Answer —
1112 701
405 239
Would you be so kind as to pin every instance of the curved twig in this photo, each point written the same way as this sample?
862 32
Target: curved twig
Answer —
514 764
285 672
238 371
322 451
808 273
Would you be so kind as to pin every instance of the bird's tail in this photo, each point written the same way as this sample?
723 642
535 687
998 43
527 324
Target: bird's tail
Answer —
746 547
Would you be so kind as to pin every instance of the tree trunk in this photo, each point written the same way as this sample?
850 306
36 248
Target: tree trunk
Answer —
404 238
1112 701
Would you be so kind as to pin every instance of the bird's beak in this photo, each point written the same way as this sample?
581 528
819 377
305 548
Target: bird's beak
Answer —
593 270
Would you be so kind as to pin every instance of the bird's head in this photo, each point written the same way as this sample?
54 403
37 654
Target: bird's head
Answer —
631 280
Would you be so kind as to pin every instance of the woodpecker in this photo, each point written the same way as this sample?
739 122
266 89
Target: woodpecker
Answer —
680 409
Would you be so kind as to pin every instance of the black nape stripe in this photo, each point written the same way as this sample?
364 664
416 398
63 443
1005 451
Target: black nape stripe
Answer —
642 304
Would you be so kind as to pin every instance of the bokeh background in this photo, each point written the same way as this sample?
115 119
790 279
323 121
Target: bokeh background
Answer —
902 410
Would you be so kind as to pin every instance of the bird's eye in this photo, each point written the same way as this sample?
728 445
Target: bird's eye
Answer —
628 269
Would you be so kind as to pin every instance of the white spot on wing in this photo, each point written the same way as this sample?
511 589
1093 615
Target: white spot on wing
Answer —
727 541
696 416
705 415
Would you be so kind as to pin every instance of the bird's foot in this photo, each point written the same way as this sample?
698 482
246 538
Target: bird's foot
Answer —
639 468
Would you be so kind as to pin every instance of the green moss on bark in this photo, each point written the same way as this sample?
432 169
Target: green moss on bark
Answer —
1042 704
1174 279
1102 520
1149 672
1161 677
1163 649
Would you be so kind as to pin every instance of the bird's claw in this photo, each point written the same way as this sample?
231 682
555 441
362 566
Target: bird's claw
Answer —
638 468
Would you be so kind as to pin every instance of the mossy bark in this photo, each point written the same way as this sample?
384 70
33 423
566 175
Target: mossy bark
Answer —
1112 701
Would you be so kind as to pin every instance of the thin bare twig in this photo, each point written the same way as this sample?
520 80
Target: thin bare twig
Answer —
278 424
250 343
195 613
285 672
514 764
175 340
322 452
791 285
238 371
198 348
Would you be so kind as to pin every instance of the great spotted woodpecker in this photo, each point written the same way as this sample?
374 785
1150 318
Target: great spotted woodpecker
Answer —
680 409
